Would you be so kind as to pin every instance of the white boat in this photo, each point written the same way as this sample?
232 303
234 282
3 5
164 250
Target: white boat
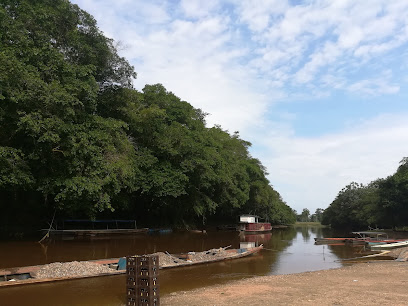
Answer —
389 246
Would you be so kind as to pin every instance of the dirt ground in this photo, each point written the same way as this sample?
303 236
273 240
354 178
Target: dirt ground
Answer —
373 283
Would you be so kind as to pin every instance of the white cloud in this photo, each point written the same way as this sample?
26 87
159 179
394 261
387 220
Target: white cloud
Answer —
198 8
309 172
235 59
257 14
375 86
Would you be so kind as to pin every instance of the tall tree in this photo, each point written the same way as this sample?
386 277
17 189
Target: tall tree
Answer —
54 64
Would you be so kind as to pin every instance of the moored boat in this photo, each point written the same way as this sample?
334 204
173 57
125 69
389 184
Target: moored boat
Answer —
251 224
367 237
329 240
387 241
389 246
113 266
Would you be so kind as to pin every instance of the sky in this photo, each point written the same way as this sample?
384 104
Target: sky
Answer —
319 87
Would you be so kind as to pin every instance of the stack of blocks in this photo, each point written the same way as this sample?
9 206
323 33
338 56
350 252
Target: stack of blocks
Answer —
142 280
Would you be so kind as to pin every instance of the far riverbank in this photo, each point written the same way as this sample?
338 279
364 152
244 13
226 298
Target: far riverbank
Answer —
373 283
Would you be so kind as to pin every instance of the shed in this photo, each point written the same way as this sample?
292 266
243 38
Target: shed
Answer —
248 219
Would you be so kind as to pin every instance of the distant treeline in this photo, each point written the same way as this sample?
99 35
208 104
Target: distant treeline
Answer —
78 139
382 203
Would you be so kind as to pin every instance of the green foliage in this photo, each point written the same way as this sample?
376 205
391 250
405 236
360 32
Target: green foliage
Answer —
77 137
382 203
14 172
54 64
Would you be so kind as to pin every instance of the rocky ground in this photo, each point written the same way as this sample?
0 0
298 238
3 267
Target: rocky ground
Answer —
373 283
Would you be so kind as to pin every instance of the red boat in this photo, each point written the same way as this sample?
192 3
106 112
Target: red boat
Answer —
251 224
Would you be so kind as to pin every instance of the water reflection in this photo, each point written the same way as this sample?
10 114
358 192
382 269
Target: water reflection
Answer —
302 255
253 240
290 250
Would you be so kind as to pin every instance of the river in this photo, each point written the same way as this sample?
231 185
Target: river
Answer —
290 250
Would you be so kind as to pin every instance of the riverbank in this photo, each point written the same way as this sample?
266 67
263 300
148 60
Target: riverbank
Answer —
373 283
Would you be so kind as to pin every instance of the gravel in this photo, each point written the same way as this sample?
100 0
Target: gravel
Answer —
83 268
67 269
168 260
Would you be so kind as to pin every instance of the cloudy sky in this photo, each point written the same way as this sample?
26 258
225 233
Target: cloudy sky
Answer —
318 87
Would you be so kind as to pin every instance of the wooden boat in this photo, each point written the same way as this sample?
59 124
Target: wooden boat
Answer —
389 246
387 241
24 275
360 238
330 240
94 232
251 224
92 228
160 230
198 231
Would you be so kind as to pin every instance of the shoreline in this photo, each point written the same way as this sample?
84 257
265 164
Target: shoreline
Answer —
366 283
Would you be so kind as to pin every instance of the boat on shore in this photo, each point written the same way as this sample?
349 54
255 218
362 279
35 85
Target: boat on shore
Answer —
389 246
114 266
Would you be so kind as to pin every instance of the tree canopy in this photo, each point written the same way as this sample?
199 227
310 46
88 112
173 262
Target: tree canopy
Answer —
381 203
77 137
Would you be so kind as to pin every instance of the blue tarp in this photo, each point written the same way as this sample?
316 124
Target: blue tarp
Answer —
122 263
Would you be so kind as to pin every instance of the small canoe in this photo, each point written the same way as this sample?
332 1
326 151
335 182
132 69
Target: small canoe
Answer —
388 241
24 275
330 240
389 246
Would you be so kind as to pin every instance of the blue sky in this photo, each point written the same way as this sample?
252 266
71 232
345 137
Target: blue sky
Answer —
318 87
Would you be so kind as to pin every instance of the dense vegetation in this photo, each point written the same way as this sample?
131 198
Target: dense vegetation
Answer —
305 216
381 203
76 138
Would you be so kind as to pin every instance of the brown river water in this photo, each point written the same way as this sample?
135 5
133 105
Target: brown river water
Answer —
290 250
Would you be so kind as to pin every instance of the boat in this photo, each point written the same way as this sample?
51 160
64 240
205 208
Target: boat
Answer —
198 231
93 228
94 232
330 240
389 246
386 241
116 266
160 230
251 224
367 237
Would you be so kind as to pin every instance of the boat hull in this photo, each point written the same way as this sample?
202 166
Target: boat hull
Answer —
5 273
389 246
94 232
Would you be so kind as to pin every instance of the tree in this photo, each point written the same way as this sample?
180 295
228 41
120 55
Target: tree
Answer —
78 138
304 216
317 216
54 65
380 203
